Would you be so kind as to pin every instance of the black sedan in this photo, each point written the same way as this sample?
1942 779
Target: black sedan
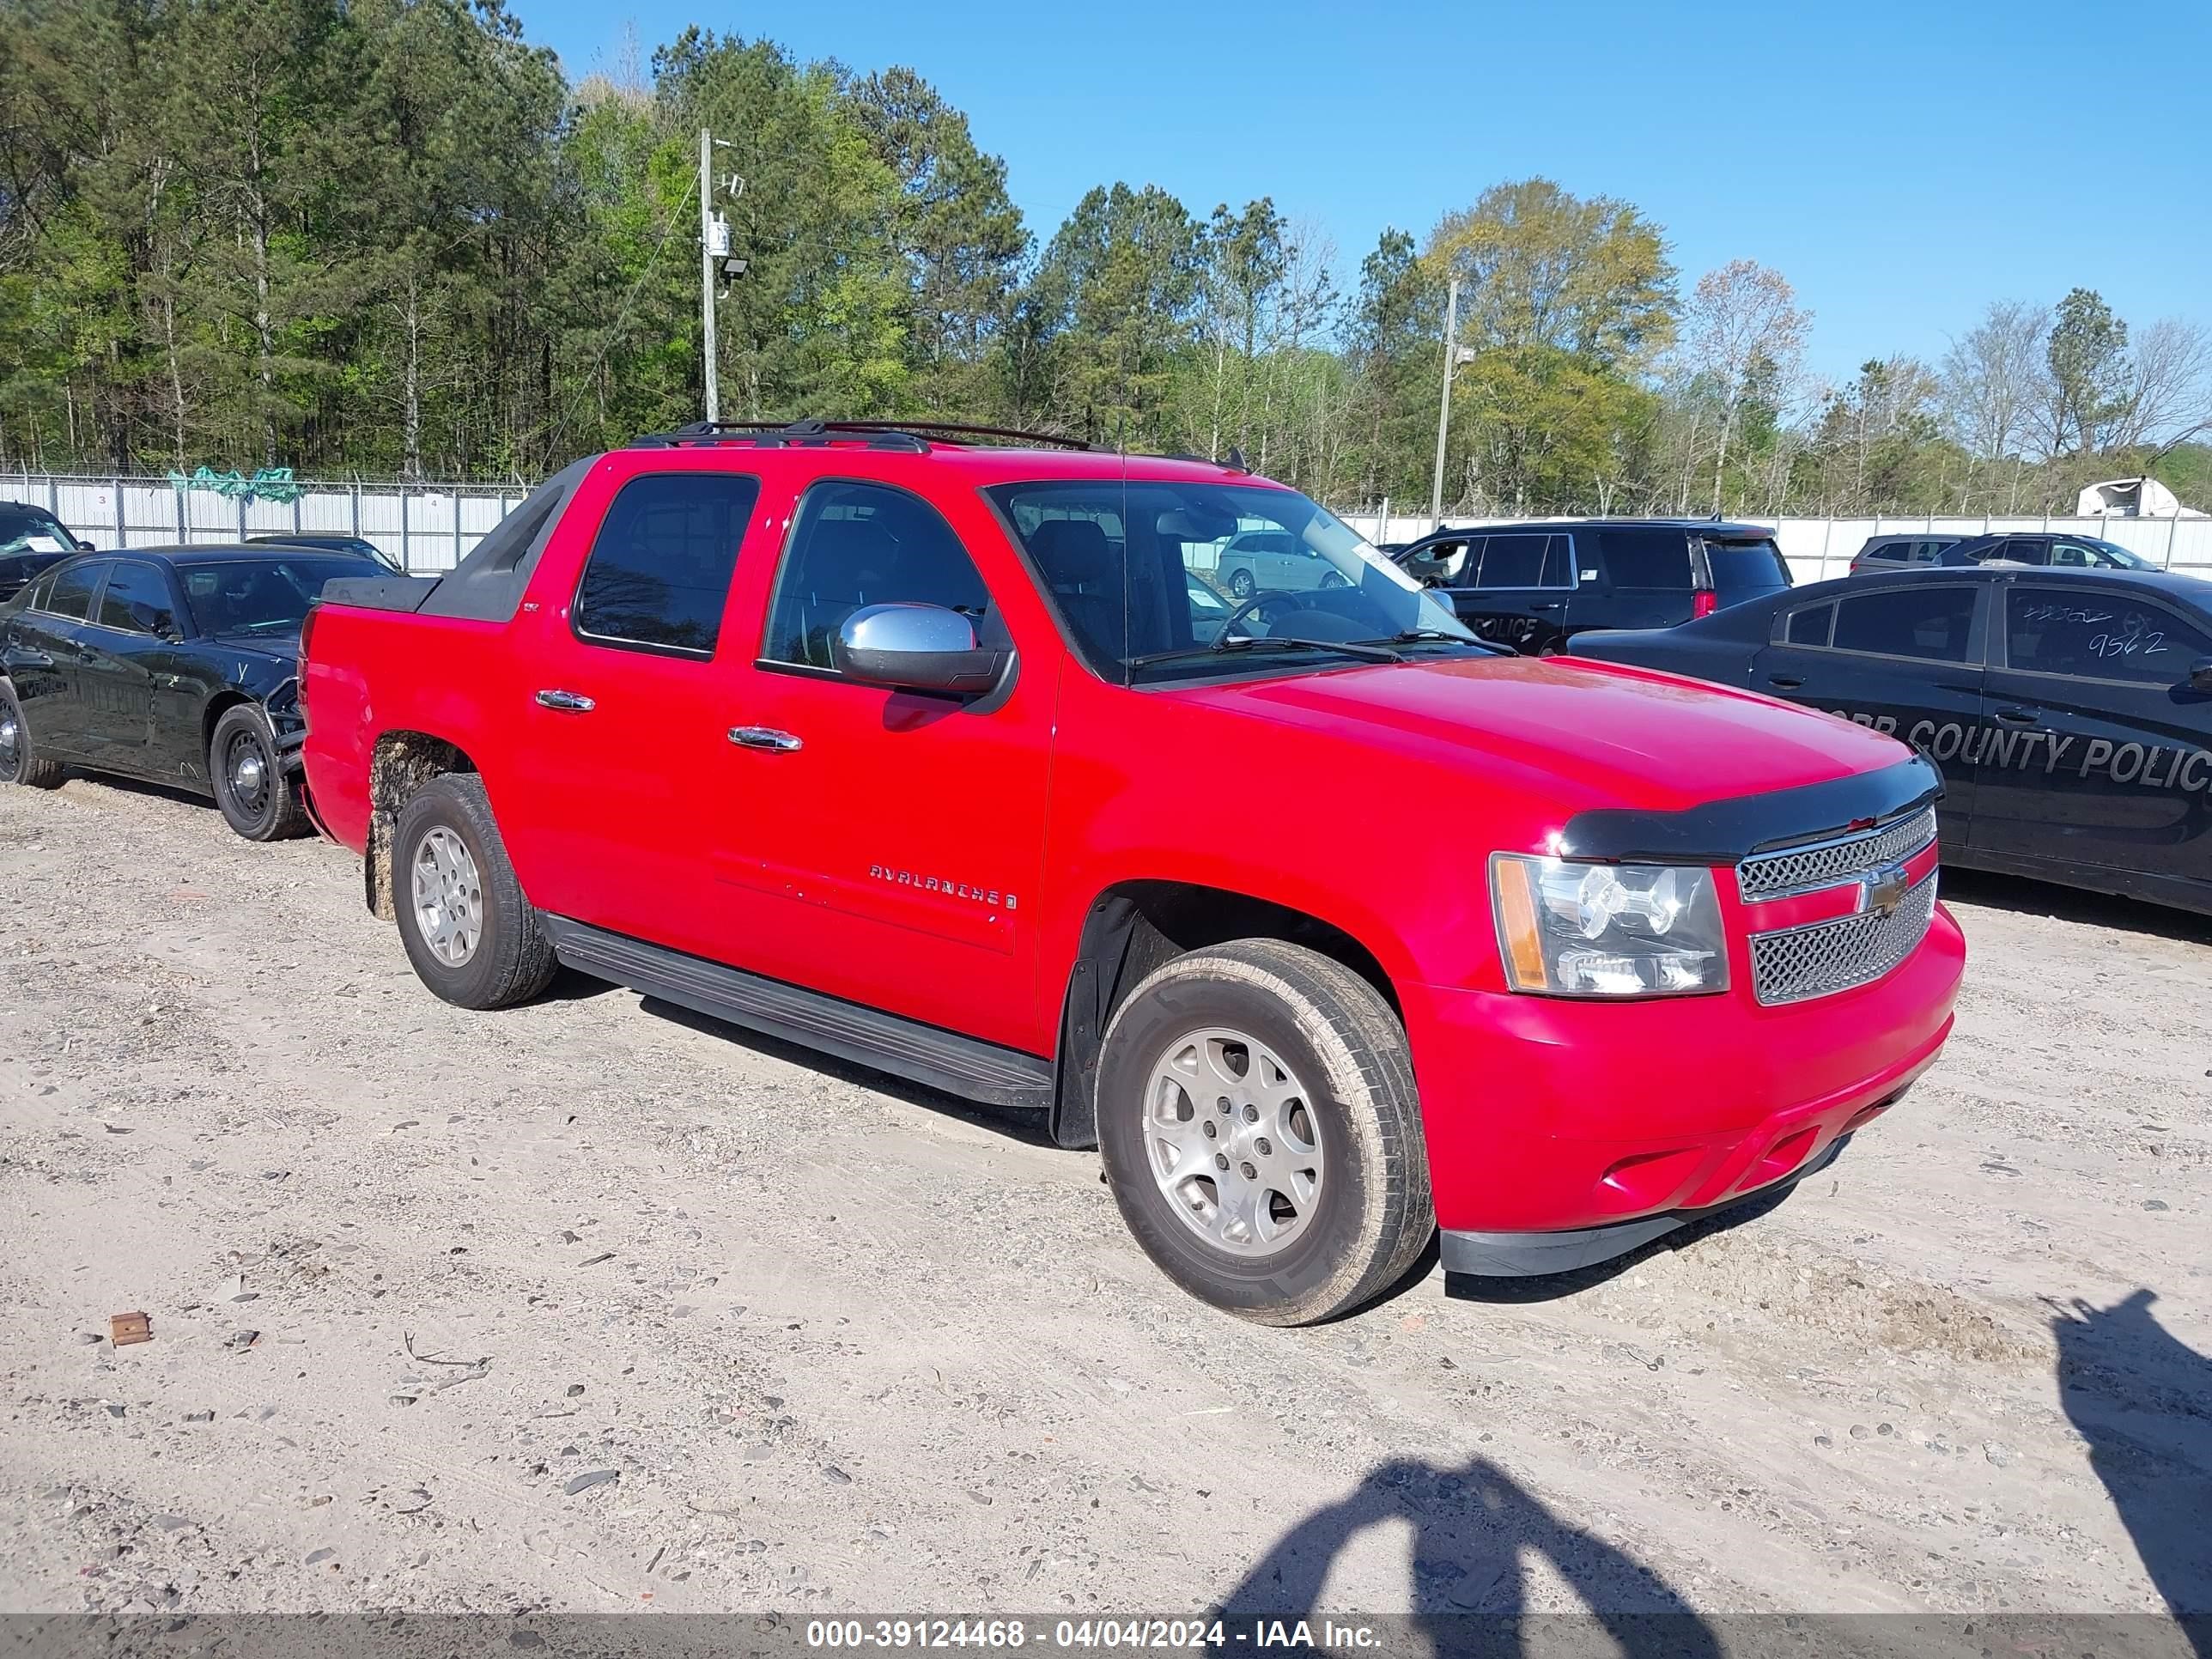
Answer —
2070 710
177 664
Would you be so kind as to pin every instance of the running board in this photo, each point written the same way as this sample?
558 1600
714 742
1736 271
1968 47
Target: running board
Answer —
866 1037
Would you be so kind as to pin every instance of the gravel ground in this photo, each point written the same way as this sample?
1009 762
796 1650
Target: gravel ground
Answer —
593 1305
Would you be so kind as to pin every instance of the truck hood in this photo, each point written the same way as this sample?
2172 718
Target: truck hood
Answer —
1611 735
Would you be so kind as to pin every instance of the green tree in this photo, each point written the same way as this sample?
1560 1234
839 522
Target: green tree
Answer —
2087 355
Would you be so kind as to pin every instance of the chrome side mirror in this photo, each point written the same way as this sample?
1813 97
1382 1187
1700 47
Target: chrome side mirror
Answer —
915 647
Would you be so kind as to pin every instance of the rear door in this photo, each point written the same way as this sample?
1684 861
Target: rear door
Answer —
1901 657
1642 577
2098 750
619 755
47 656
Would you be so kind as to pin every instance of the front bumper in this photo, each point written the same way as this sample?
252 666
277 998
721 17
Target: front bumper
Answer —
1547 1118
1532 1255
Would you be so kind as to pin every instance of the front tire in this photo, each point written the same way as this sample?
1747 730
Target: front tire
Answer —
256 799
1262 1133
471 935
20 760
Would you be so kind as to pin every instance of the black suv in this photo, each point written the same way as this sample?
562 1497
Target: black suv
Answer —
31 538
1533 585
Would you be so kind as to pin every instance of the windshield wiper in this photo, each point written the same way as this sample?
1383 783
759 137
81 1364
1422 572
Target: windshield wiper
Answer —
1438 635
1366 651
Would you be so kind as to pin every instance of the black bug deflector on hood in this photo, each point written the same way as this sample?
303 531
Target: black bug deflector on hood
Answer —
1727 831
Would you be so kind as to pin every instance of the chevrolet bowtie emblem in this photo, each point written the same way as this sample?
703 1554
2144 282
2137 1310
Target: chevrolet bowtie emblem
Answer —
1882 890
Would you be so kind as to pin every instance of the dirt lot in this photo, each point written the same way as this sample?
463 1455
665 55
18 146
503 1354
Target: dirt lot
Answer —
593 1306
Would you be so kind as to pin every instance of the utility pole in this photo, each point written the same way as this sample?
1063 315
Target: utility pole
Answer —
707 271
1452 361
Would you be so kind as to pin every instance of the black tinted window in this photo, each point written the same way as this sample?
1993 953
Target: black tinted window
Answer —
1646 558
855 545
136 598
1745 570
71 593
2021 550
1810 627
1931 622
21 526
1523 561
2056 630
658 572
263 596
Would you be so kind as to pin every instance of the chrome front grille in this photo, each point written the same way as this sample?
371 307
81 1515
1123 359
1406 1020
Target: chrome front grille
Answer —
1826 957
1832 863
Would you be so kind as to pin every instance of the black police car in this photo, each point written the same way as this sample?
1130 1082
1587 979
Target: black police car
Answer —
2069 710
177 664
1534 586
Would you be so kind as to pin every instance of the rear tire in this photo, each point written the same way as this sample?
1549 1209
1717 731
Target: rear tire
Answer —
20 760
1296 1187
257 800
471 935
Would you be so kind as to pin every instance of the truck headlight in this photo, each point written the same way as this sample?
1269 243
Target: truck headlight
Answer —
1607 930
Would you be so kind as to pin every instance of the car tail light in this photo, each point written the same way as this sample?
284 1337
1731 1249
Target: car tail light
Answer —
306 632
1704 601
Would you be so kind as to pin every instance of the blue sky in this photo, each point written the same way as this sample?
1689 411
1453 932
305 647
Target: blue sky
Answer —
1900 164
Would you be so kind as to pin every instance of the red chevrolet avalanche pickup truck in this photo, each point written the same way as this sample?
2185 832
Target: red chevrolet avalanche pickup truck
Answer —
1327 924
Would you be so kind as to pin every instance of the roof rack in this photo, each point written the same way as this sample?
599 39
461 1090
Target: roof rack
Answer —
881 435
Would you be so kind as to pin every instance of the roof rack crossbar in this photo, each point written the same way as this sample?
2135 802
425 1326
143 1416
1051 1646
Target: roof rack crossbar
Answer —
902 434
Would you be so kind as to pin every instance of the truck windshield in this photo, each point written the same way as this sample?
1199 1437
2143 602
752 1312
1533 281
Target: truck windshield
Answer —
26 529
1151 576
263 595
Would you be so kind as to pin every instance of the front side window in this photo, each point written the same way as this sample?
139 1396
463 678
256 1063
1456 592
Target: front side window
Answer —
71 594
1122 560
1656 559
137 600
2090 554
259 598
658 572
2059 630
1933 624
855 545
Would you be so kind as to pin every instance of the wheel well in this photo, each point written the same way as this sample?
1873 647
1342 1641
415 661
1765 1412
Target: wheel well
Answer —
1135 927
401 763
219 705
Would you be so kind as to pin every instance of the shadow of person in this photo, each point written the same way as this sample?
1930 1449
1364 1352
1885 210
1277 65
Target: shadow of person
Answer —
2143 1402
1473 1526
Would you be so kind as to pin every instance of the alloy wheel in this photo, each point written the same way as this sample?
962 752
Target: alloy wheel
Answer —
448 896
1232 1142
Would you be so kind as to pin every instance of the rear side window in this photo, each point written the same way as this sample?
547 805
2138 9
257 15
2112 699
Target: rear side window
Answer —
1745 570
137 600
1932 623
856 545
1810 626
1646 558
1526 560
71 594
658 572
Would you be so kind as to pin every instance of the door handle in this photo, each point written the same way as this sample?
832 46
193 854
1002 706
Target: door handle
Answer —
2018 716
568 702
1784 682
764 736
1549 604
